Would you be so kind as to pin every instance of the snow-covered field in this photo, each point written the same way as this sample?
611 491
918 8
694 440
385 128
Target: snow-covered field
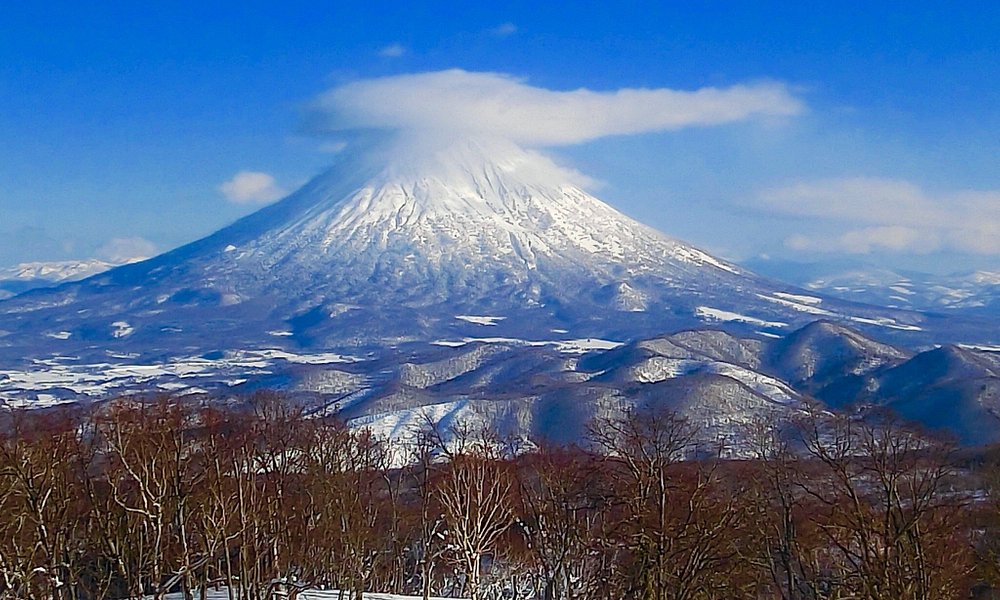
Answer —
578 346
46 381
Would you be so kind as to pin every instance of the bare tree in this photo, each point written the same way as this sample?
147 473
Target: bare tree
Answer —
475 493
217 522
889 514
349 503
787 546
152 473
427 541
564 496
43 462
681 531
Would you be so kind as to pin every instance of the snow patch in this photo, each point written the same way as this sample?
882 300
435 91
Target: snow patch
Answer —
885 322
799 298
577 346
480 320
714 314
223 594
769 387
815 310
980 347
43 376
121 329
402 426
319 358
693 255
799 306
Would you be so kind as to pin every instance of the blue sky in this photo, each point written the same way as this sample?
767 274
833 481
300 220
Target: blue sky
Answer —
120 122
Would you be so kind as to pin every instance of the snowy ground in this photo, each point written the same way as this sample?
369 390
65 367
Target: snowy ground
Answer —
46 382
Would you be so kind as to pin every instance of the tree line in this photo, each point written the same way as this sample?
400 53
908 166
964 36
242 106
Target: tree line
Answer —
134 498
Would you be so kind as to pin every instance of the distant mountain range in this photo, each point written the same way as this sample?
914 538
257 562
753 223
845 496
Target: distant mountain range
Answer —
975 292
56 271
28 276
727 384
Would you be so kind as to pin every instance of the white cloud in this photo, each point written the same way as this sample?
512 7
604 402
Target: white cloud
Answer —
459 103
889 214
249 187
504 30
392 51
869 239
123 250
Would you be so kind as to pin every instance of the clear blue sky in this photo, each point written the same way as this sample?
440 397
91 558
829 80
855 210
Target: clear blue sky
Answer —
121 120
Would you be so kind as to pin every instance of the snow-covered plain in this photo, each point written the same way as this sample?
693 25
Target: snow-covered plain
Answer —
64 378
58 271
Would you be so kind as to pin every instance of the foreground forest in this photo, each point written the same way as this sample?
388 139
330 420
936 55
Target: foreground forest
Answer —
131 498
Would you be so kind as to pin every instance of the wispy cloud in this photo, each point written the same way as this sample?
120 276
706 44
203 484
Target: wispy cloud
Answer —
463 104
504 30
889 214
251 187
866 240
392 51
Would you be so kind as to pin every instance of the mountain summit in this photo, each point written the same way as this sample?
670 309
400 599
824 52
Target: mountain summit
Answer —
423 243
474 225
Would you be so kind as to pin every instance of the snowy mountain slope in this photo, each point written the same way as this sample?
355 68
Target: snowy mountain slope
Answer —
825 359
544 394
950 388
830 362
406 249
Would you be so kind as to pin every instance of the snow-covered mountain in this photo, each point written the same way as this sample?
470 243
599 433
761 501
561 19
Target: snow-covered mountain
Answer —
463 279
376 253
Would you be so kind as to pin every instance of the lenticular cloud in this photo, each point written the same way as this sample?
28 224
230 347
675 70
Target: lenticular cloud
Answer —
462 103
